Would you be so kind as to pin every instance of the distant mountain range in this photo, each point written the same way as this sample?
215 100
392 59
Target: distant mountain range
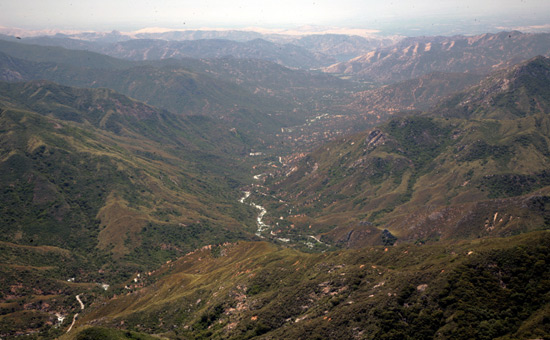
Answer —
414 57
242 91
381 60
328 44
302 52
284 54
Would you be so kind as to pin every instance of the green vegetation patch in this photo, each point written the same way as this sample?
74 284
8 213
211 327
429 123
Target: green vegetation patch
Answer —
509 185
100 333
421 139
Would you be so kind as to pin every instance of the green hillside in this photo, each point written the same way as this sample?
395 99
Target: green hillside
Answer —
518 91
108 186
496 288
60 55
250 94
420 171
176 89
424 177
132 153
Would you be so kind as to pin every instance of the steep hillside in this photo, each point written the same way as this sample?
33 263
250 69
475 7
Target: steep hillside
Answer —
483 290
430 178
95 186
58 139
414 172
414 57
108 110
254 95
416 94
176 89
516 92
60 55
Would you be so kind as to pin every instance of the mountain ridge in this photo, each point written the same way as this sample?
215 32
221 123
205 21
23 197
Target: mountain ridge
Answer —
286 54
414 57
517 91
238 91
338 46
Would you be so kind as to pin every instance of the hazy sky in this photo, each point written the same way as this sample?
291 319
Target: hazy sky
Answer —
135 14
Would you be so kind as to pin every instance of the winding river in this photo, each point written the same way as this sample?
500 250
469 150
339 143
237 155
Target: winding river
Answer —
259 220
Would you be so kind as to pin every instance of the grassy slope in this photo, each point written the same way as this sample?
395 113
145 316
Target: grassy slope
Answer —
60 158
518 91
469 289
420 165
115 185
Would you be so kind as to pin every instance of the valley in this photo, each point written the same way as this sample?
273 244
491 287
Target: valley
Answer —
274 187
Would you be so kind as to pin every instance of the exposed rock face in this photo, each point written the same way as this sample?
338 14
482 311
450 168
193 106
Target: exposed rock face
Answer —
375 138
415 57
357 236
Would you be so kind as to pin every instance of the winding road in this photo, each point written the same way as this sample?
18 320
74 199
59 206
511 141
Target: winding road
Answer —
76 315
